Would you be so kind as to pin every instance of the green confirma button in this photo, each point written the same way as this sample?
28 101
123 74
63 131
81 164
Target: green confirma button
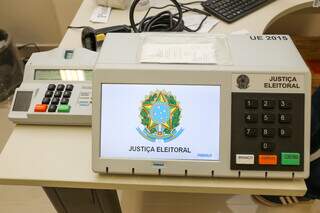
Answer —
64 108
290 159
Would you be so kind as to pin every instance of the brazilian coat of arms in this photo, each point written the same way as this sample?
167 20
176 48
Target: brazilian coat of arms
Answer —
160 116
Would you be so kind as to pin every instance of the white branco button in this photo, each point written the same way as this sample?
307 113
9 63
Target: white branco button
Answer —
244 159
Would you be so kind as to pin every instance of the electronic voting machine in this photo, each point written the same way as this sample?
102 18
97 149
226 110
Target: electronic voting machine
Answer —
56 89
201 105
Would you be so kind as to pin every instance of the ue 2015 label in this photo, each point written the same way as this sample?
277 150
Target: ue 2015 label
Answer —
269 37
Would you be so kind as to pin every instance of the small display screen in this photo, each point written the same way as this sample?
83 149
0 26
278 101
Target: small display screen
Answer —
178 122
22 101
63 75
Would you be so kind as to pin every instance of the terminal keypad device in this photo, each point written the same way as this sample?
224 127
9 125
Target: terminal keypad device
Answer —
58 84
264 134
53 103
246 116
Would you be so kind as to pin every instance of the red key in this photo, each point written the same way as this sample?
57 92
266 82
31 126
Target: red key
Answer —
40 107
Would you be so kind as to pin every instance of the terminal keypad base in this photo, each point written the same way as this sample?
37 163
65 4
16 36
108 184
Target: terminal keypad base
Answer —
267 131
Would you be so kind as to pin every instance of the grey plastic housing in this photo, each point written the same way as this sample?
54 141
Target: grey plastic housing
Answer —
82 59
258 57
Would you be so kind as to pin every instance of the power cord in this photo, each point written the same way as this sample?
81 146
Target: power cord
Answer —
24 46
164 21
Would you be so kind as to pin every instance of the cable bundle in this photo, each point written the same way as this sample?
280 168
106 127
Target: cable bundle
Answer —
164 21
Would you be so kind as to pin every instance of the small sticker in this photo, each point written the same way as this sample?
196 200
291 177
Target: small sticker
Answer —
100 14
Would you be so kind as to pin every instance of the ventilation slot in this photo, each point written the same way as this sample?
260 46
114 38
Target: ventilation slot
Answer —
292 175
266 175
212 173
132 171
107 170
239 174
186 172
159 172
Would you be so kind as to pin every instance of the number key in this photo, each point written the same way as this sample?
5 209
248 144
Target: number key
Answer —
285 104
285 132
51 87
267 146
48 94
251 103
285 118
268 118
251 117
268 132
268 104
251 132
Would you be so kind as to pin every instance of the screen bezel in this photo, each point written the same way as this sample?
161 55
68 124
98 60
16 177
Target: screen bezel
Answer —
172 76
160 159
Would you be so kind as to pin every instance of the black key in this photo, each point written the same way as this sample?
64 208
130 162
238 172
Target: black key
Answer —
267 146
55 101
69 87
251 103
51 87
251 117
285 104
64 101
285 132
268 132
48 94
268 104
285 118
52 108
45 100
57 94
60 87
268 118
251 132
67 94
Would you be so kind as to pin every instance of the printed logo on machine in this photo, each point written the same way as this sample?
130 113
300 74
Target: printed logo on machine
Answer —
243 82
160 116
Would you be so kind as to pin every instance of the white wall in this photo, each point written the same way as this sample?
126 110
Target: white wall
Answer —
40 21
65 12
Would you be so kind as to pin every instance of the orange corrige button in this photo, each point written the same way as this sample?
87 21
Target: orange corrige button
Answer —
40 107
268 159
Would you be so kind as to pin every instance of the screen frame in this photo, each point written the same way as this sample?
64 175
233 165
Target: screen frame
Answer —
161 159
173 76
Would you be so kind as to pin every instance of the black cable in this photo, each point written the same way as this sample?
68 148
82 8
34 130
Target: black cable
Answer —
77 27
28 45
193 2
26 58
198 28
188 9
164 21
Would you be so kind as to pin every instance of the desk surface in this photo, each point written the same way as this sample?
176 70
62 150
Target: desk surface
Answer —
255 23
61 156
